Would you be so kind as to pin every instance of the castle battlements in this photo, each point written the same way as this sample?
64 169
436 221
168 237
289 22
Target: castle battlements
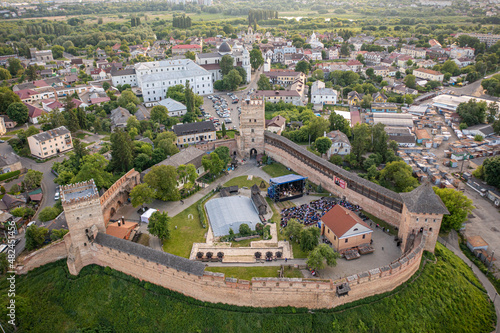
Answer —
79 192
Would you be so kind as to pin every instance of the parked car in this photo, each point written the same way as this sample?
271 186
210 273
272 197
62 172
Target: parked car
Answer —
56 197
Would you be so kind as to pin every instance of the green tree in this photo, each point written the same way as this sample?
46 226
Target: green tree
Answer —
232 80
491 168
450 67
94 167
127 97
242 72
57 51
398 176
163 179
33 179
256 59
223 153
189 98
106 86
380 139
411 81
303 66
158 225
457 204
187 175
224 132
5 74
142 194
122 158
48 214
336 159
317 127
293 230
361 140
14 66
24 212
190 55
263 83
212 163
226 64
366 102
18 112
309 238
56 234
317 257
35 237
472 112
337 122
159 114
492 112
7 97
323 144
245 230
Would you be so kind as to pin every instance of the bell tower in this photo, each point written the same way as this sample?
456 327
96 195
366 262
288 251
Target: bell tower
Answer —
82 207
252 127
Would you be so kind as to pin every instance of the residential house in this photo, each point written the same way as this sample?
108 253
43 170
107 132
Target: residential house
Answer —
175 109
50 143
483 130
3 129
340 144
379 97
354 65
192 133
8 123
276 125
182 49
119 117
34 113
345 229
322 95
287 96
9 162
354 98
428 74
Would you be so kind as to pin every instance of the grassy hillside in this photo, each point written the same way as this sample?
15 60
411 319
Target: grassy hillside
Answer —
444 298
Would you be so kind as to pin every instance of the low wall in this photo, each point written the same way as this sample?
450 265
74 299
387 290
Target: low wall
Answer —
212 145
50 253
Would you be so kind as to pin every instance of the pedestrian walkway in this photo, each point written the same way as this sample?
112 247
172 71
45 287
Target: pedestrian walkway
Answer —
452 245
289 262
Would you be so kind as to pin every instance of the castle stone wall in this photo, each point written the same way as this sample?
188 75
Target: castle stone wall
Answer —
50 253
118 193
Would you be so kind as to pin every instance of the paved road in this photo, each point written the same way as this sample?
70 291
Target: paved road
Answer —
473 89
452 244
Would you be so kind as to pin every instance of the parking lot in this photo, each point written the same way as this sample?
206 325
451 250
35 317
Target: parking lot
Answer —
222 108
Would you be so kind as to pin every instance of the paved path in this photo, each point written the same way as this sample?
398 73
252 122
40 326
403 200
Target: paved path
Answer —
452 244
290 262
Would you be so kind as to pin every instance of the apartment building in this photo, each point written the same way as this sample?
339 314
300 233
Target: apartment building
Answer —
50 143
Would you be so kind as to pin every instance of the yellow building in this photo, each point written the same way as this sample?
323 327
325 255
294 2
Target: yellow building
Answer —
344 229
50 143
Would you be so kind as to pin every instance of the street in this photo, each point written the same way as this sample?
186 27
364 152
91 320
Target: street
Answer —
473 89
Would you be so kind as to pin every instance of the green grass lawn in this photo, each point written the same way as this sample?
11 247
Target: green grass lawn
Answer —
242 181
188 231
5 137
82 135
382 223
229 133
247 273
246 242
441 297
277 169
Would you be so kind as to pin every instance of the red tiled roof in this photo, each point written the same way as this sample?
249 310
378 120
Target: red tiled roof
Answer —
339 220
34 111
189 46
123 231
25 93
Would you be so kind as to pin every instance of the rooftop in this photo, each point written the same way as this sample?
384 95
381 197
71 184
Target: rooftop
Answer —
344 223
229 213
50 134
193 128
79 191
424 200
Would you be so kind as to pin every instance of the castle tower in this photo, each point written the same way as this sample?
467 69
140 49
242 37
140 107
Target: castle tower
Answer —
82 207
252 126
422 211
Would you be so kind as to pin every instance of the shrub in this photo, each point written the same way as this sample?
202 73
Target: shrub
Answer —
245 230
48 213
209 255
199 255
9 175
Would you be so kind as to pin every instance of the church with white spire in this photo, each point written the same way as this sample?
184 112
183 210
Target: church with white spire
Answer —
211 61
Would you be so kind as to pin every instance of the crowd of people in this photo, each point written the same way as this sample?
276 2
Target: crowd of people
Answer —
311 213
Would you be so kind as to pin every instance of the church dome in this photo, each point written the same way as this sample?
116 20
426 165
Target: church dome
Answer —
224 48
